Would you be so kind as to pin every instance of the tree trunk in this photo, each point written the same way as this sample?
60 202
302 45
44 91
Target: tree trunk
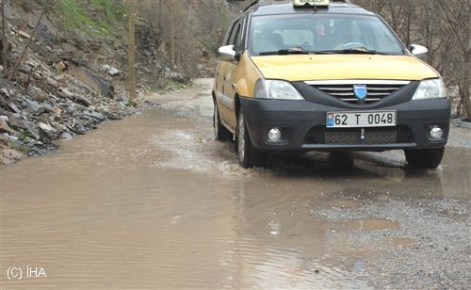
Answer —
131 53
4 42
465 86
172 35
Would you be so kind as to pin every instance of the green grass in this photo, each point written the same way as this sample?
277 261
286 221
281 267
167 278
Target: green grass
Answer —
77 14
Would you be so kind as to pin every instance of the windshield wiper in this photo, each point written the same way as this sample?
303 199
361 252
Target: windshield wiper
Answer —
285 51
356 50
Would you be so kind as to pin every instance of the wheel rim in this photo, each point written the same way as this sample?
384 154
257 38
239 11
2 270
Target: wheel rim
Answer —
241 139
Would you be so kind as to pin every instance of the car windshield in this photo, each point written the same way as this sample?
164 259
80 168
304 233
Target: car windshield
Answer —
321 33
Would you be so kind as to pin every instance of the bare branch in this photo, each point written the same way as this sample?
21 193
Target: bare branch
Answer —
17 64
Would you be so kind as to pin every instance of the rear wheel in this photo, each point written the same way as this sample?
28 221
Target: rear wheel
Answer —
248 155
424 158
220 132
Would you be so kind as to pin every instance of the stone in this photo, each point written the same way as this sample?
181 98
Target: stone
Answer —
26 69
66 93
38 94
66 136
82 100
4 139
24 34
18 124
10 156
92 80
14 108
60 66
112 71
46 127
111 115
95 115
51 82
37 109
4 128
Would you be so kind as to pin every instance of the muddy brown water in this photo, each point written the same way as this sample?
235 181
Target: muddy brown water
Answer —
153 202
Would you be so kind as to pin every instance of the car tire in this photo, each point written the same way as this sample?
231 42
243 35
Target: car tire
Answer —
424 158
220 132
248 155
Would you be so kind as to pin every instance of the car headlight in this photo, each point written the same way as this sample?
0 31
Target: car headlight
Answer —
276 89
430 89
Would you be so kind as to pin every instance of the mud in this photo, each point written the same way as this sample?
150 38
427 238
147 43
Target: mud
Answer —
152 202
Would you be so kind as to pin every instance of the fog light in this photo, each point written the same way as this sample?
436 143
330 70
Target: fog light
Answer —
274 135
436 133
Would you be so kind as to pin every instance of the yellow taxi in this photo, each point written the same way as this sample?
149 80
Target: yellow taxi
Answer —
307 75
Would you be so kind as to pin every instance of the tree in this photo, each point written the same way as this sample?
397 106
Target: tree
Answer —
131 52
456 20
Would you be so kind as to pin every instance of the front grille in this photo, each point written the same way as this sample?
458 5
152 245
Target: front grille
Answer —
352 136
344 89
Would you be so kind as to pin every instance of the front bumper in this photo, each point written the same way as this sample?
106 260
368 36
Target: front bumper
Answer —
303 126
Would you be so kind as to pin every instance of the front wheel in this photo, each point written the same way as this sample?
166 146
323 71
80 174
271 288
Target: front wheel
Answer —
424 158
248 155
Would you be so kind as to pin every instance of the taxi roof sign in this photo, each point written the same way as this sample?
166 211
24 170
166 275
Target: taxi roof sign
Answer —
311 2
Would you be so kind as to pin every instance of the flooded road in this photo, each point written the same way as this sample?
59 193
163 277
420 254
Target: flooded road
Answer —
152 202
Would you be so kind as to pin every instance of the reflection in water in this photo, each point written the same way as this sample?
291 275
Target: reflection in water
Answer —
153 202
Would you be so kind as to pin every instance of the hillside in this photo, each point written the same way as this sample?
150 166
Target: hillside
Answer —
65 68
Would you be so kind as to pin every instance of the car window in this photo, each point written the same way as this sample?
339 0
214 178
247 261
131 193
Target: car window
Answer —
320 32
234 37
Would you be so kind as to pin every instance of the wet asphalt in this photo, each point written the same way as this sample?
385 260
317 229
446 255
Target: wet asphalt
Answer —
153 202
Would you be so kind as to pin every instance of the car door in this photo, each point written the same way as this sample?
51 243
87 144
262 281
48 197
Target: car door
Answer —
227 75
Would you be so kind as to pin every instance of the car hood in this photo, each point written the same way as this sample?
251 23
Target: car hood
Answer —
335 67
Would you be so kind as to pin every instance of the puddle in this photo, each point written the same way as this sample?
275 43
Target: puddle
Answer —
403 242
372 224
153 202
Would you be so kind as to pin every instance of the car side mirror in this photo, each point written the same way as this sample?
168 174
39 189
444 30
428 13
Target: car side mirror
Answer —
419 51
226 53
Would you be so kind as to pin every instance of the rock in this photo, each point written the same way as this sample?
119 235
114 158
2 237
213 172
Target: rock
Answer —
120 98
57 110
10 156
44 35
65 54
111 115
82 100
66 93
18 124
38 94
51 82
463 123
4 128
112 71
76 98
14 108
4 139
66 136
26 69
37 109
92 80
178 77
24 34
95 115
46 127
60 66
22 125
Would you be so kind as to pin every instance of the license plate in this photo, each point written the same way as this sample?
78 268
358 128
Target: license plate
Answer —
361 119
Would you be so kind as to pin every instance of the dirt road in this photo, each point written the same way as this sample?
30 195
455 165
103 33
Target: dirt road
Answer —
152 202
